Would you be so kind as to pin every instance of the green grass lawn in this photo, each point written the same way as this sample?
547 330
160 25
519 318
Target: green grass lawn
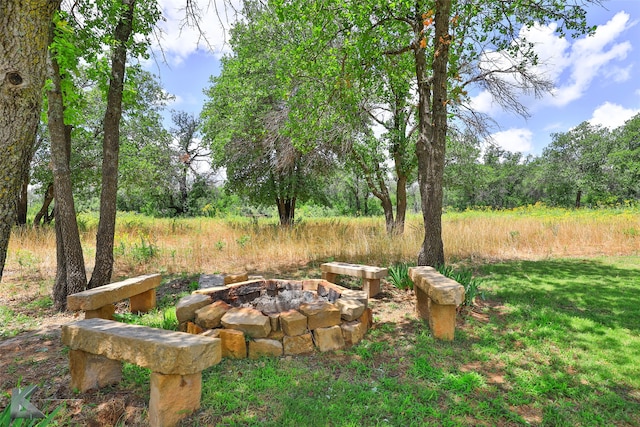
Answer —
556 343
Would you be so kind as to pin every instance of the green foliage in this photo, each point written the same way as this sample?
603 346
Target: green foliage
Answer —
399 276
465 278
48 420
157 318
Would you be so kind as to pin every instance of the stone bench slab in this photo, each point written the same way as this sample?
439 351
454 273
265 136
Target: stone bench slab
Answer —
162 351
439 288
93 299
355 270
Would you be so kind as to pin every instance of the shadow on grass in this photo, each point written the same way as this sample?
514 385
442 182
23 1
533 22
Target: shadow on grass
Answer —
591 289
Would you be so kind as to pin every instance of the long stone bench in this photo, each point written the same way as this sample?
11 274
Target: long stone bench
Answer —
176 360
437 300
99 302
370 275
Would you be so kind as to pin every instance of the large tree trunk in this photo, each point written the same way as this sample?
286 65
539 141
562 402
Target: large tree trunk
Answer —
23 200
71 275
23 66
110 151
432 134
401 204
286 210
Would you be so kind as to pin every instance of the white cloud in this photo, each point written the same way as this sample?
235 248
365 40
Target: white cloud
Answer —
591 56
180 37
514 140
483 103
612 115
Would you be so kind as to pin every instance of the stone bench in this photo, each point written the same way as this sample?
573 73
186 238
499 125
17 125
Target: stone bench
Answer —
370 275
99 302
437 300
176 360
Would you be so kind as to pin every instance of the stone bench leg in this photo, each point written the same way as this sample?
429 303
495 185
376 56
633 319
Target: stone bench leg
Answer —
143 302
371 286
173 397
91 371
442 321
422 303
104 312
329 277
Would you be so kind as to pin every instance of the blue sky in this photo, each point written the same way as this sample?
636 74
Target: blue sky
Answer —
597 78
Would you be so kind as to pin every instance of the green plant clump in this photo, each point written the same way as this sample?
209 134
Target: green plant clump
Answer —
399 276
465 278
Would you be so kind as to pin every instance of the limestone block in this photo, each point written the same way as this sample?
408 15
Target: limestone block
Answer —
265 347
371 286
328 339
353 332
105 312
90 371
93 299
361 296
194 329
439 288
293 323
274 318
211 333
209 316
143 302
350 309
300 344
366 319
162 351
329 277
187 306
248 320
235 278
173 397
310 284
442 321
320 314
234 345
355 270
276 335
422 303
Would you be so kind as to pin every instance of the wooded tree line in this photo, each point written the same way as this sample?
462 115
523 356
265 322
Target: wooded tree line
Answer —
317 99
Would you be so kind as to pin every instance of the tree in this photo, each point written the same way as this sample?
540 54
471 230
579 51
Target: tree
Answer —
624 159
247 115
576 166
453 45
23 61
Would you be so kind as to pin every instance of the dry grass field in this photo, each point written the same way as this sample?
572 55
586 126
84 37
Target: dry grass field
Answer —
206 245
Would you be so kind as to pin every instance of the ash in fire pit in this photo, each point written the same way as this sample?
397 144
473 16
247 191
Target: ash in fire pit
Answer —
276 317
284 301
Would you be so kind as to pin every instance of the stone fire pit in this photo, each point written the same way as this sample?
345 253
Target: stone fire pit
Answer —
261 317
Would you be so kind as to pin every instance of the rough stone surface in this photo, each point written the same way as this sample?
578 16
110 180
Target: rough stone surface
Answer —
235 278
173 397
210 281
371 286
90 371
350 309
328 339
300 344
143 302
355 270
357 295
320 314
162 351
211 333
353 332
366 319
192 328
187 306
265 347
274 318
209 316
104 312
234 345
293 323
276 335
93 299
442 321
250 321
439 288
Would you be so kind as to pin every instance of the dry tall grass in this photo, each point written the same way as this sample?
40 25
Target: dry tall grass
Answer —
217 245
